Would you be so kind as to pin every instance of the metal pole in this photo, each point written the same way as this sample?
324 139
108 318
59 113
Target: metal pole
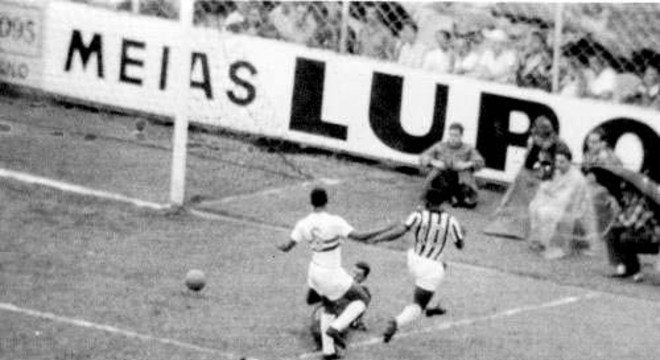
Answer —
556 46
343 32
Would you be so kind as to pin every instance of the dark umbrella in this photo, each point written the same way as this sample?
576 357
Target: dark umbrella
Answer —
612 177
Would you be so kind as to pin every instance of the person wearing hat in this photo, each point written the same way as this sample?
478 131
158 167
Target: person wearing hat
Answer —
497 62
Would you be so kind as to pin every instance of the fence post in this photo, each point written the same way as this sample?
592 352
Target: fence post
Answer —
343 32
556 46
135 6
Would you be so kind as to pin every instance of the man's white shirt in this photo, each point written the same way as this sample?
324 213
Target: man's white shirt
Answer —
324 232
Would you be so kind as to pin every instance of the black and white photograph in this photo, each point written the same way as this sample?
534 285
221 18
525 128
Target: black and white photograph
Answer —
318 180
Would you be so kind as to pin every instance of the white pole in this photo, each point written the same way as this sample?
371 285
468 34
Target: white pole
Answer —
135 6
343 32
556 53
180 137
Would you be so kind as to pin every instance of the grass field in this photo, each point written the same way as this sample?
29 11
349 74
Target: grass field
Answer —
87 278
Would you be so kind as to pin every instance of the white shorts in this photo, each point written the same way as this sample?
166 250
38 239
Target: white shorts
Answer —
428 274
332 283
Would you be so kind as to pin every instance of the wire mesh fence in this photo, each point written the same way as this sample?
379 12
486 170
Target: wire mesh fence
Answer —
604 51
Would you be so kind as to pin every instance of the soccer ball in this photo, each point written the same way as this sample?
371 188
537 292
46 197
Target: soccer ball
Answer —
195 280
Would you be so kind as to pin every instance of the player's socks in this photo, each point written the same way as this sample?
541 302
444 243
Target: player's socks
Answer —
336 336
409 313
435 311
353 310
327 342
390 330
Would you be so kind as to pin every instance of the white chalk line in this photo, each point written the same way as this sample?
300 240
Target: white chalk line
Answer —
68 187
446 325
274 191
112 329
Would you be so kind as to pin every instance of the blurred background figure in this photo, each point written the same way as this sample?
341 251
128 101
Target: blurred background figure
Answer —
573 79
466 56
535 63
441 58
374 39
561 212
601 78
409 51
498 61
648 91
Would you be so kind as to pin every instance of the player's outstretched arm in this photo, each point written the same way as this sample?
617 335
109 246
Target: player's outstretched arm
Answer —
286 246
395 232
366 236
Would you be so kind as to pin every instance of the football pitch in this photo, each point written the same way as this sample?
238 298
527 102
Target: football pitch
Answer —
86 277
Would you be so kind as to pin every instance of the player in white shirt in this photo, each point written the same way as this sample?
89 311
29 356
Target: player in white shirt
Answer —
432 227
325 232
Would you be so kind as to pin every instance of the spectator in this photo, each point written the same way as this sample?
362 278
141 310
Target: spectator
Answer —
598 153
250 20
304 25
542 148
535 63
282 17
467 58
375 39
236 20
512 215
453 164
159 8
601 78
258 24
648 92
294 22
635 223
440 59
328 18
409 51
573 81
561 209
497 62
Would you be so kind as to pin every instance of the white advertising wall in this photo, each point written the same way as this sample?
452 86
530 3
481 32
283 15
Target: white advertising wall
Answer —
345 103
21 36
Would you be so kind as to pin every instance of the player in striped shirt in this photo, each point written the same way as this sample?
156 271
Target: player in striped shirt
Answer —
432 229
325 232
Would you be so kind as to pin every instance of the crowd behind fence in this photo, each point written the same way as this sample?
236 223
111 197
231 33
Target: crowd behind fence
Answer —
603 51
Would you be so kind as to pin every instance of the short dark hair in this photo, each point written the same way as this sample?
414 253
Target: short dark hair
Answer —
435 197
456 126
364 267
318 197
411 24
564 150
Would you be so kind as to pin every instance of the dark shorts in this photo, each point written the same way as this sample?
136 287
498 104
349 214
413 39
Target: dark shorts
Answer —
354 293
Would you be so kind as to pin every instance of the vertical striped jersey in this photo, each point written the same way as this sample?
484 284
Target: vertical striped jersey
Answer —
324 232
432 229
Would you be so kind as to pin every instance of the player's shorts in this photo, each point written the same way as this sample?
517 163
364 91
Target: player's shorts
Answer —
332 283
428 274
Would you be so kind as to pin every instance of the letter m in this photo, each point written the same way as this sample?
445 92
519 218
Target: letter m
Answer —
95 47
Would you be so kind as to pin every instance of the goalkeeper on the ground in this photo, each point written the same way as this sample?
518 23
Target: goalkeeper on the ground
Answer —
360 272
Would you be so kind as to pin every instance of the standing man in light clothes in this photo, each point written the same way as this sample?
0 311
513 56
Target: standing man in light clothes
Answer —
326 278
